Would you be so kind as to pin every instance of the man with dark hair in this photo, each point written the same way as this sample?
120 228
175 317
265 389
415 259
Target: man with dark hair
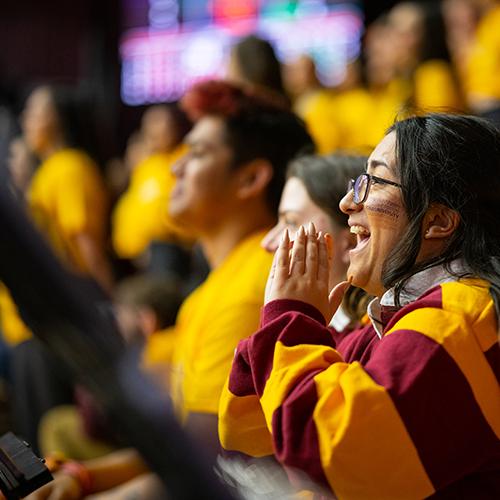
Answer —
227 191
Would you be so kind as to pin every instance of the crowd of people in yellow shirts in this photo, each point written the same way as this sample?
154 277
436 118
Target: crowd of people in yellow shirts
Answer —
227 170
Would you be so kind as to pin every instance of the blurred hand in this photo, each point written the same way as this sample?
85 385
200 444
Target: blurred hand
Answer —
301 271
145 486
63 487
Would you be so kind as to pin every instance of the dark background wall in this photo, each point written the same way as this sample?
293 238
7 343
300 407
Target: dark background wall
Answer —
373 8
69 42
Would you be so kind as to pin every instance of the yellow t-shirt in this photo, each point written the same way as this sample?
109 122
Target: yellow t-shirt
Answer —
67 197
483 68
356 119
321 119
435 87
159 348
211 322
383 106
141 214
13 329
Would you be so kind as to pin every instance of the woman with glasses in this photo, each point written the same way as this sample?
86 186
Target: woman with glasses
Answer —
413 412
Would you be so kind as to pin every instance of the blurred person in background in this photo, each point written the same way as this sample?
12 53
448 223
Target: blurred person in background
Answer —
253 62
119 169
301 82
21 165
482 80
357 118
67 200
145 308
419 44
460 18
405 65
66 195
142 229
228 187
145 305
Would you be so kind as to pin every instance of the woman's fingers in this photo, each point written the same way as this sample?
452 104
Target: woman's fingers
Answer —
270 279
323 260
282 267
272 272
312 251
329 245
298 263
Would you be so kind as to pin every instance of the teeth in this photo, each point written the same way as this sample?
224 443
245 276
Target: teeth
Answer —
360 230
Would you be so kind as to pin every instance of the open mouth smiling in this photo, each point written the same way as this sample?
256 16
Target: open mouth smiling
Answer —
362 236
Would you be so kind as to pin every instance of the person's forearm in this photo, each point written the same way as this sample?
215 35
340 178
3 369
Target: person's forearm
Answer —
114 469
143 486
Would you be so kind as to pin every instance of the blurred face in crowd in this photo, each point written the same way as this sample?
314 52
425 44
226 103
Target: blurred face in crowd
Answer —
380 54
460 18
299 76
136 151
379 222
406 25
233 70
158 130
296 209
136 322
21 164
40 122
204 190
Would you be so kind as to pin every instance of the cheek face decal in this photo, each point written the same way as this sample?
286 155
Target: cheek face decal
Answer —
387 209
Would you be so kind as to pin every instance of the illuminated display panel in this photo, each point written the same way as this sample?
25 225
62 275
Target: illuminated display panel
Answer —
187 41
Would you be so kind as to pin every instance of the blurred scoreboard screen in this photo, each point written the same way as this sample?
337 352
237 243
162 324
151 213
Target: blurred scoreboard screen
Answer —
167 45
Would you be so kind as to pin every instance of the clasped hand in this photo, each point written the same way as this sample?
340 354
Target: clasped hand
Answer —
301 271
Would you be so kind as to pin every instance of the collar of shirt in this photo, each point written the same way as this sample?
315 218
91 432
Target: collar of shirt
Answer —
340 320
381 310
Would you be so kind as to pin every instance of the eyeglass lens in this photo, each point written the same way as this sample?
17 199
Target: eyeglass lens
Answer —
360 186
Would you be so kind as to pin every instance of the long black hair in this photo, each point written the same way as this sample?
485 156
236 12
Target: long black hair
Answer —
455 161
75 115
434 44
258 63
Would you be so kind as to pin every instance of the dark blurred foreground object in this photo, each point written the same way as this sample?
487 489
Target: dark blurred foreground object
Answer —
21 471
70 317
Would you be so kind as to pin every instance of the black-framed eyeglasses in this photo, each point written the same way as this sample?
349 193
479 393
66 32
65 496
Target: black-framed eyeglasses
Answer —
361 186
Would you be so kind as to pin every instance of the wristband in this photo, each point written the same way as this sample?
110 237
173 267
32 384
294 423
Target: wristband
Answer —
80 473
